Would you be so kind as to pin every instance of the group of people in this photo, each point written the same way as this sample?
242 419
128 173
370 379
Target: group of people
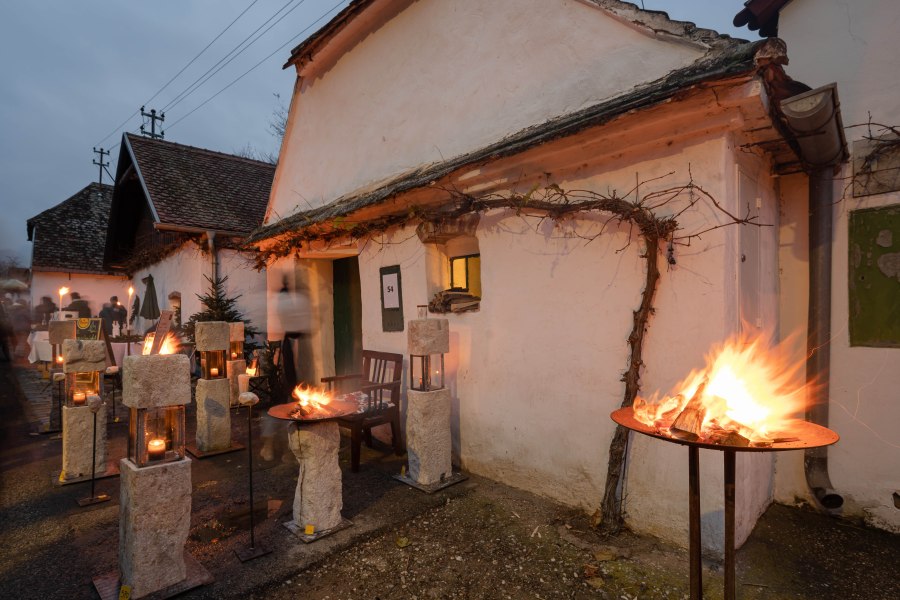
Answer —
16 319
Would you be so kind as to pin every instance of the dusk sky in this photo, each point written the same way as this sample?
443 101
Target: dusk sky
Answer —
77 73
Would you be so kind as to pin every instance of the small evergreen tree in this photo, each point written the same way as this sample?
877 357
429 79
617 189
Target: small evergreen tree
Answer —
219 307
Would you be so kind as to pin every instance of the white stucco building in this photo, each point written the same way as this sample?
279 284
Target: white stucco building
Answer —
401 108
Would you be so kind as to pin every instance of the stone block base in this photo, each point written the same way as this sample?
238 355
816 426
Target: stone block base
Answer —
154 522
318 500
428 442
78 432
213 415
235 368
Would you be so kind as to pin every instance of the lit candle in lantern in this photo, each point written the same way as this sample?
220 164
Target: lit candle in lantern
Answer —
156 449
59 358
78 398
251 371
234 356
214 371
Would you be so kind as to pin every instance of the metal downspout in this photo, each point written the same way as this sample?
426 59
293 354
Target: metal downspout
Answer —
818 336
213 255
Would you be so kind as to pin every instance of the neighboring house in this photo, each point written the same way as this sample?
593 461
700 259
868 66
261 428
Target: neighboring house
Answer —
402 107
68 244
180 213
856 46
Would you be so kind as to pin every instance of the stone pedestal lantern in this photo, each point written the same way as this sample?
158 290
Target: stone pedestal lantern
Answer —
155 492
213 392
236 365
57 333
84 360
428 442
318 499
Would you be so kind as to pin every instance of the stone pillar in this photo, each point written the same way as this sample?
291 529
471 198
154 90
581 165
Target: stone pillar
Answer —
235 368
213 395
213 414
155 500
154 522
78 440
428 441
318 500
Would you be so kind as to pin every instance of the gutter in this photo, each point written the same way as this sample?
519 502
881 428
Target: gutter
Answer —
815 118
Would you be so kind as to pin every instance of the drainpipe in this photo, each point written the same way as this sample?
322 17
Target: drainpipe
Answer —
814 118
213 258
818 332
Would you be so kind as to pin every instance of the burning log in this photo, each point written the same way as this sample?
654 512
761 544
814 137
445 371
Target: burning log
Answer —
690 421
727 437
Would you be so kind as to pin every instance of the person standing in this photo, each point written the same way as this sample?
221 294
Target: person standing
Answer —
43 312
80 306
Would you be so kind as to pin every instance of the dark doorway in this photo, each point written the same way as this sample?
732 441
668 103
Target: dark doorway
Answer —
347 316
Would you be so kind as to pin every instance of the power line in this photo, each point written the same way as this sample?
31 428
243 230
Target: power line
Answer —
276 51
236 51
190 62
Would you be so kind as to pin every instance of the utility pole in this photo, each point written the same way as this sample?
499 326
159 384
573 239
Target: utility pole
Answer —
100 163
153 119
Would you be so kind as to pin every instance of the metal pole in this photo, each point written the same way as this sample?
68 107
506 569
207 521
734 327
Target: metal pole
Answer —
94 457
696 565
730 469
250 466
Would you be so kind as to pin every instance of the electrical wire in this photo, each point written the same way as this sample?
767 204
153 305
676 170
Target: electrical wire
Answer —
225 60
190 62
276 51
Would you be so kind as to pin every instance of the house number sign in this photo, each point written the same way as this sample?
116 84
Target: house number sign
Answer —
391 299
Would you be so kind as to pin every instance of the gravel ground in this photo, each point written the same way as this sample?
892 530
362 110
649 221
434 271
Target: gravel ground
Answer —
477 539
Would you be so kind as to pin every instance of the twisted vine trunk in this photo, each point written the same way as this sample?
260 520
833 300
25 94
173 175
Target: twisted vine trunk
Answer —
611 518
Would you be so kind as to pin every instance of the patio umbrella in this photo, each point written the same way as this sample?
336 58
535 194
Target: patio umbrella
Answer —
13 285
150 307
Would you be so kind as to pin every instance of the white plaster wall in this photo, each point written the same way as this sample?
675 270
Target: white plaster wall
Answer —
385 107
96 289
537 370
246 281
859 49
182 272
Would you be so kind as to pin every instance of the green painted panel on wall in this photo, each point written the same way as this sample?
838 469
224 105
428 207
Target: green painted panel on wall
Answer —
875 277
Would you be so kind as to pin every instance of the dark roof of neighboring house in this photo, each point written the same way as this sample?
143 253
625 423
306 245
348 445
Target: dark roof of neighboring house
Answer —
760 15
732 60
654 21
71 236
197 188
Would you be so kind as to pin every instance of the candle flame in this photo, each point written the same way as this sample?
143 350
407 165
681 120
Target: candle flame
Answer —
130 291
63 291
251 371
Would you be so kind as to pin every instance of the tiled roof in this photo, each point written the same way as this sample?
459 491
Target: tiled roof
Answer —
71 236
193 187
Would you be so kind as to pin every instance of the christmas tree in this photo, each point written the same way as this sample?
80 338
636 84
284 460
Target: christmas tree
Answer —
219 307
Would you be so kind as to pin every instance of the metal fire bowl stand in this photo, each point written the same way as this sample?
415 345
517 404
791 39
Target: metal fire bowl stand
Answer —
803 435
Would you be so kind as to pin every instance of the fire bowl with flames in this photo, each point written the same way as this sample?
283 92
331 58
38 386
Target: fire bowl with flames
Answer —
792 435
313 405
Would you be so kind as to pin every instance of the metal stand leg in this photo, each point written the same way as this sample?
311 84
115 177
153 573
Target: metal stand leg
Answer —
696 564
253 551
102 497
729 524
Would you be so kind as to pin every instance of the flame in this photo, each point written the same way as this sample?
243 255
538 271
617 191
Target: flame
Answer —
311 398
63 291
169 345
749 387
251 371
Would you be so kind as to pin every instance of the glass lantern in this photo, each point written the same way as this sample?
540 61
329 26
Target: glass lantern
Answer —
156 435
79 386
428 342
212 364
236 350
426 372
